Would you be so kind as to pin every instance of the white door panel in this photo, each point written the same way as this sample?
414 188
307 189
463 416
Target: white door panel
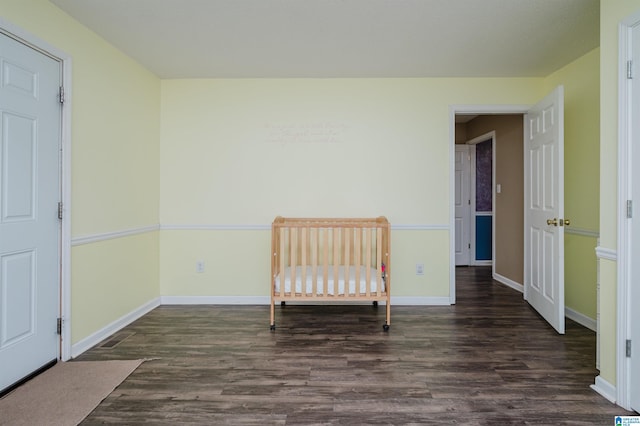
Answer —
19 152
544 208
462 206
29 193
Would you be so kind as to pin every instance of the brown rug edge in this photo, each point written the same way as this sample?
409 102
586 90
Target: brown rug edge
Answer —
64 394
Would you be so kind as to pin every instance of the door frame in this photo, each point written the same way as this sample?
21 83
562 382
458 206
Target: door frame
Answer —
625 175
483 109
32 41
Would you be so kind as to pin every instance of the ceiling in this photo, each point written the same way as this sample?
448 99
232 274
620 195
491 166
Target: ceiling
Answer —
345 38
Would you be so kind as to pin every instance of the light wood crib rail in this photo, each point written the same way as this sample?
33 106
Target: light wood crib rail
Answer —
331 260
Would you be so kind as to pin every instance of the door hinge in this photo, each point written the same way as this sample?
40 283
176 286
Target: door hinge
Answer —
629 209
60 210
61 95
59 326
629 69
628 349
469 246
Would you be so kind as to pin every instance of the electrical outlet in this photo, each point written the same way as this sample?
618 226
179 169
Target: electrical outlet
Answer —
200 266
419 268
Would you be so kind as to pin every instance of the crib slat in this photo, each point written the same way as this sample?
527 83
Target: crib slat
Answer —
303 260
293 251
336 261
346 261
368 260
325 260
314 260
357 247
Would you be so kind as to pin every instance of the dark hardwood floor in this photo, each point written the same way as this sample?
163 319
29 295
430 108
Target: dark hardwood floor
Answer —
488 360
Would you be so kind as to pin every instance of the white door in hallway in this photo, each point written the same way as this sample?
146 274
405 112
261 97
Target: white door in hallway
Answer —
544 208
30 136
462 205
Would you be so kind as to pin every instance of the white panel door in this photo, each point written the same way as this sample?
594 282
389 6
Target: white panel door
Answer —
544 208
30 120
634 273
462 205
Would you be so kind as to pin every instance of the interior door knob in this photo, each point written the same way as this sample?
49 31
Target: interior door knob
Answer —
567 222
553 222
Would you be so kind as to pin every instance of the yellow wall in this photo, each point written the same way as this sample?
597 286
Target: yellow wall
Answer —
111 278
581 274
236 262
611 13
240 152
244 151
115 166
581 81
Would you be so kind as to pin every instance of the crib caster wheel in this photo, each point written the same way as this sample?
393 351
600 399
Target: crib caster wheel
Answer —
272 327
385 327
375 303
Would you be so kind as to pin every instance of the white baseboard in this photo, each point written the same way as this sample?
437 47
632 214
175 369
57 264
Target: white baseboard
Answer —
95 338
576 316
581 319
482 262
265 300
605 389
215 300
508 282
419 301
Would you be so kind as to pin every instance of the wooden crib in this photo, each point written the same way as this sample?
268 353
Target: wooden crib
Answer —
330 260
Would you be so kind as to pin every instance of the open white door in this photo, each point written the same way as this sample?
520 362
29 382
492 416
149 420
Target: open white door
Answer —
544 208
462 205
30 120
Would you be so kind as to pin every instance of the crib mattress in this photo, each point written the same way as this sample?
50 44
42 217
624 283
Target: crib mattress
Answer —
330 281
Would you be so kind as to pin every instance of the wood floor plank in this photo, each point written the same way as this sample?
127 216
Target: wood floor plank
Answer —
490 359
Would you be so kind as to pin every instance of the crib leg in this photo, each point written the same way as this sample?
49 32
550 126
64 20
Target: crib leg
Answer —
273 315
375 303
388 321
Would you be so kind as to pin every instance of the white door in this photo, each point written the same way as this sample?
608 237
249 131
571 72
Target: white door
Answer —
462 205
30 120
634 276
544 208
